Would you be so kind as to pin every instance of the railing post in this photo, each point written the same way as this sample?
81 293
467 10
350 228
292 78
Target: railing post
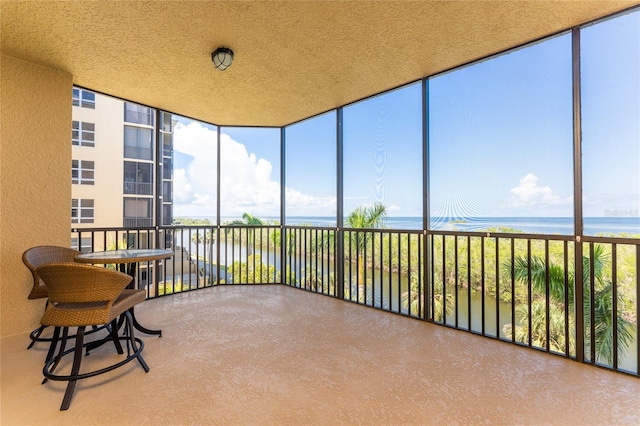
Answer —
426 270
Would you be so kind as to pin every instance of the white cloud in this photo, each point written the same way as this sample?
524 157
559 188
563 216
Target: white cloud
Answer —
182 189
299 204
194 189
247 183
528 194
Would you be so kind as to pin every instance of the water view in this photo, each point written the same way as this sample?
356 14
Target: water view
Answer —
383 269
536 225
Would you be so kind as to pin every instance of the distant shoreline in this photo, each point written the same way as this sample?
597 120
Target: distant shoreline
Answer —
540 225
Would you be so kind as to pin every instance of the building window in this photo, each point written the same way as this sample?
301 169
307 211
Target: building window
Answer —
84 98
167 122
82 211
82 172
137 212
138 114
138 143
84 245
167 144
167 191
167 214
138 178
167 168
83 133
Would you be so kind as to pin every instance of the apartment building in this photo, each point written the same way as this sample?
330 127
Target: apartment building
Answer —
120 150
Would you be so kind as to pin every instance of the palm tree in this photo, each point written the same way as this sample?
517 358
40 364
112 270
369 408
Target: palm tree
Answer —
364 217
411 299
557 337
120 245
207 239
603 308
367 216
248 220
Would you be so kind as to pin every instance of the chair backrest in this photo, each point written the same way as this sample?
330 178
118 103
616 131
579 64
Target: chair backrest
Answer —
40 255
80 294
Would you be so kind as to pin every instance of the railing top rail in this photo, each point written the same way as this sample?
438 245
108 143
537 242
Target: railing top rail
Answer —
214 226
384 230
611 239
322 228
115 228
249 226
170 227
371 230
497 234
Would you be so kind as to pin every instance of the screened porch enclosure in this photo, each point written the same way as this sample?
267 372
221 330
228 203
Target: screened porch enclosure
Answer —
508 194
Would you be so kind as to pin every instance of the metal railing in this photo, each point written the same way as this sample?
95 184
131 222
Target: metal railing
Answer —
141 188
137 222
518 288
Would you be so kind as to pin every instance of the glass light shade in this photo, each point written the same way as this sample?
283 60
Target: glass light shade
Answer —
222 58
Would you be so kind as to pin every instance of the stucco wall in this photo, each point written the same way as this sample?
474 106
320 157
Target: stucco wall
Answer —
35 176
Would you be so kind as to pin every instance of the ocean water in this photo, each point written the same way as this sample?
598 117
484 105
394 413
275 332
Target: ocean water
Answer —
534 225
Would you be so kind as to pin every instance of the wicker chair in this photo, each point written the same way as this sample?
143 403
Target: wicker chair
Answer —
81 296
35 257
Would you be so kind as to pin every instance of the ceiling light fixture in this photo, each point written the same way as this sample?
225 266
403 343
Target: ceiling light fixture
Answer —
222 58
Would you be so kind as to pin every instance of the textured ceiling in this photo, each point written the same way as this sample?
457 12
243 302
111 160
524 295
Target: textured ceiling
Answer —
292 59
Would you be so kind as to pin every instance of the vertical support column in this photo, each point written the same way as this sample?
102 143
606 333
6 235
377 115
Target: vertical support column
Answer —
339 233
153 276
158 176
218 205
426 294
283 236
637 305
577 196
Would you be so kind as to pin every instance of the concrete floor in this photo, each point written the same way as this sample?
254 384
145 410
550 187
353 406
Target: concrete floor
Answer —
273 355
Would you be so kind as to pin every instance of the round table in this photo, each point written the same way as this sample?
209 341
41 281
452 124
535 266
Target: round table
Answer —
127 260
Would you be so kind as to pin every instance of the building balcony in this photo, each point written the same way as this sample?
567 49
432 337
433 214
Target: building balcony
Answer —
130 222
139 188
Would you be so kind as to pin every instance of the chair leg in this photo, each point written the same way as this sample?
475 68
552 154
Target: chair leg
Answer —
133 342
63 344
127 333
34 335
53 344
75 369
114 336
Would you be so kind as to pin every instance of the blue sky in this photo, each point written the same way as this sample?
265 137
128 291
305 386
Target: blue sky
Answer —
500 135
611 115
